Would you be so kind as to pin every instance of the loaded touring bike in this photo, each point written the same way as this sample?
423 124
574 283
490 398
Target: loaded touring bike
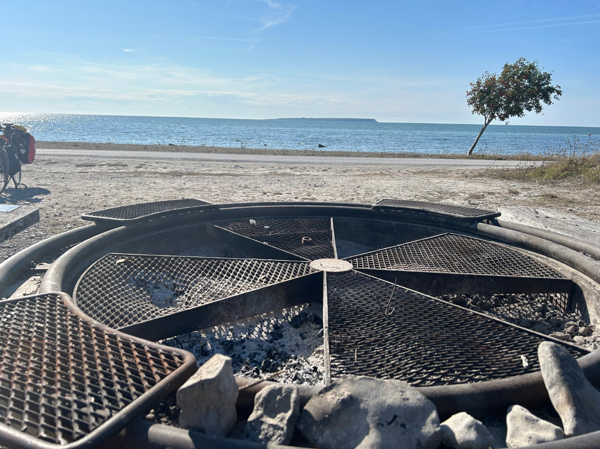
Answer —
17 147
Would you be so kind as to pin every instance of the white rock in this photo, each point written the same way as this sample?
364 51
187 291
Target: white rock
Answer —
207 400
573 397
526 429
561 336
462 431
276 410
362 412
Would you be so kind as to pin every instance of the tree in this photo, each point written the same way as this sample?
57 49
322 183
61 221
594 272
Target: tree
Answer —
521 87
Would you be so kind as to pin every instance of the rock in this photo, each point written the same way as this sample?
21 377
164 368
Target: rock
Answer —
586 331
276 410
523 428
207 400
573 397
462 431
571 328
363 412
560 336
579 340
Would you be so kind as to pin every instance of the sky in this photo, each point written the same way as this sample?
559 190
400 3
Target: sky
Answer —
394 61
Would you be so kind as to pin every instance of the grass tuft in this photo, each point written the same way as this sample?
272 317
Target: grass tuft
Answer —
576 161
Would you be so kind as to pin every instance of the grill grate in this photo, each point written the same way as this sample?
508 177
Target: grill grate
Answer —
530 310
120 290
452 253
62 376
423 341
143 210
287 234
458 212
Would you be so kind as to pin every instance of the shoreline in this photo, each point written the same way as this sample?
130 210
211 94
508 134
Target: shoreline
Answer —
51 145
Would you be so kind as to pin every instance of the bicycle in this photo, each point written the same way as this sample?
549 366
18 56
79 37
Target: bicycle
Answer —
17 147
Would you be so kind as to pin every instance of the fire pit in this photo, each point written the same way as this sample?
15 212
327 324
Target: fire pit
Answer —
395 282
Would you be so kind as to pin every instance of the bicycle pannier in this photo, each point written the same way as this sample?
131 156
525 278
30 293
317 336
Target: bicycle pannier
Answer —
26 149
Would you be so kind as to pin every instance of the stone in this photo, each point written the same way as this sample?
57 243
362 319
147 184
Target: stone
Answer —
362 412
579 340
573 397
462 431
523 428
276 410
207 400
560 336
571 328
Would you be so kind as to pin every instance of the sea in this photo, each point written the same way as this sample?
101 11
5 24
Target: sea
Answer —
362 135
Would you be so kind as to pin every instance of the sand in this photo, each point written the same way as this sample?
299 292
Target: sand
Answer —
64 187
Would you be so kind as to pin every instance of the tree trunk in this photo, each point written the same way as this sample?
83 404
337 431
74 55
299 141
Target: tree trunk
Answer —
485 125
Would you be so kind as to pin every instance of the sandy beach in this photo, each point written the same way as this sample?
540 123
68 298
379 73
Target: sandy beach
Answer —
65 186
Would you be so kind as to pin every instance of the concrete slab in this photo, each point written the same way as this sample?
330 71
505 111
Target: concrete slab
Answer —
553 220
14 220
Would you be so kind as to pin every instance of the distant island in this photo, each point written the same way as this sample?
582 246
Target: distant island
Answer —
368 120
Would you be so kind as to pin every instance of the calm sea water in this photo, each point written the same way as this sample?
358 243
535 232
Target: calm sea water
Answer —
301 134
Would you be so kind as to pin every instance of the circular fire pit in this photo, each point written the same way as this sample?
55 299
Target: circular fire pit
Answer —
434 295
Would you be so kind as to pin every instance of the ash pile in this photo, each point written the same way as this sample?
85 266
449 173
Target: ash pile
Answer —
284 346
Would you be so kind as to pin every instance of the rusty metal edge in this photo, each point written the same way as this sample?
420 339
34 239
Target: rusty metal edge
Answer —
120 420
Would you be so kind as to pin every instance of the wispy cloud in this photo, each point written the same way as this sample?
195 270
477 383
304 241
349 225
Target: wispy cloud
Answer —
534 24
232 39
71 84
131 50
278 13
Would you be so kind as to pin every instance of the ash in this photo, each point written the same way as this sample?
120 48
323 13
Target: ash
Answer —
163 296
546 313
290 340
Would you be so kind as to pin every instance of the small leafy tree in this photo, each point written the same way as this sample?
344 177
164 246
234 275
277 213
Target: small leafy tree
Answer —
521 87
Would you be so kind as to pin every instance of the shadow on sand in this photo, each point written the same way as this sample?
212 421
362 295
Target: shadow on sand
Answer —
29 195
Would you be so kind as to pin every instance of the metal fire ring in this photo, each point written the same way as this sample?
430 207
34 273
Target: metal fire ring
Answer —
402 249
67 380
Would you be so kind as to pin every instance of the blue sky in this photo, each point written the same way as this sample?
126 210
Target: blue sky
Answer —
399 61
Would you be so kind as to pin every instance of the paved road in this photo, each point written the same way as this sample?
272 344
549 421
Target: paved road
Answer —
266 159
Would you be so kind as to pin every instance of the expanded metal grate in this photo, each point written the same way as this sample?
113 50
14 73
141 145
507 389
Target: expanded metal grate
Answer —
458 212
453 253
529 310
143 210
306 237
122 289
419 339
62 376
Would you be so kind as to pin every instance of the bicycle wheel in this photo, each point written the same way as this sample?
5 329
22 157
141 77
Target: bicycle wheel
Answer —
4 177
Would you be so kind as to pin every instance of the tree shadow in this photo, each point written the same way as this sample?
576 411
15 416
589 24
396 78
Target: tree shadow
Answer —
23 193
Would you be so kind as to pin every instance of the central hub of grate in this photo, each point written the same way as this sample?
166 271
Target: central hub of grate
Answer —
331 265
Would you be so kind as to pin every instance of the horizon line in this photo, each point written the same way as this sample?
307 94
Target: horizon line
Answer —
291 118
